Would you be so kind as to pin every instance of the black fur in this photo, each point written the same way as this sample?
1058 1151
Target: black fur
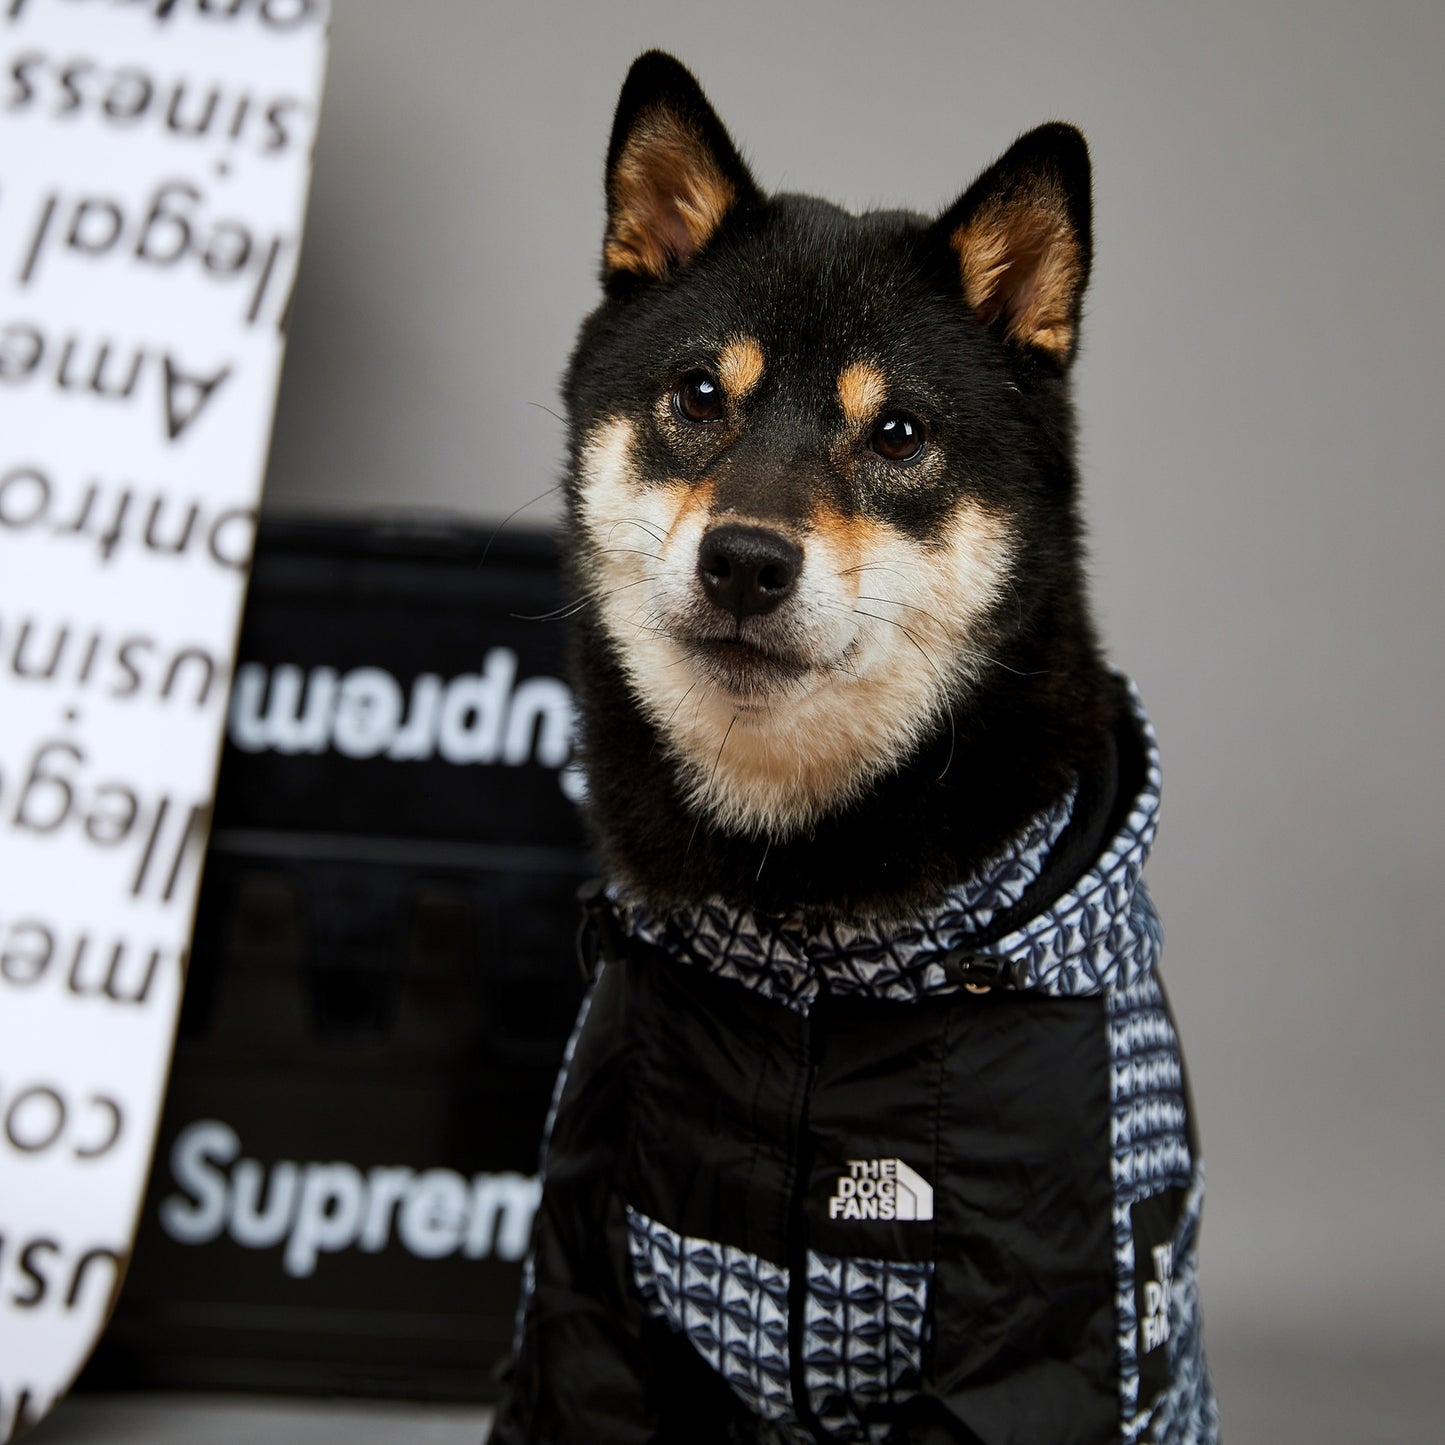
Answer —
814 284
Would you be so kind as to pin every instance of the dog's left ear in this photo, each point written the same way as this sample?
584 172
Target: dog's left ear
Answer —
673 173
1022 234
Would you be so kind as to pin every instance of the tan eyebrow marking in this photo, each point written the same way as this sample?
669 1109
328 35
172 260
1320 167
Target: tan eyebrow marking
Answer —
862 388
740 367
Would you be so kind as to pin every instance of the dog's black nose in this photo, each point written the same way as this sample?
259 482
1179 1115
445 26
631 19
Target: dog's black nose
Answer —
747 570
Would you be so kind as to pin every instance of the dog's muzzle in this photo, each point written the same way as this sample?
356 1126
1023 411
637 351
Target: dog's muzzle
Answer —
747 571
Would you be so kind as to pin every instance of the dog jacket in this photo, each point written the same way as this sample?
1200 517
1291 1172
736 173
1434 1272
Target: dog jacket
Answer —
937 1183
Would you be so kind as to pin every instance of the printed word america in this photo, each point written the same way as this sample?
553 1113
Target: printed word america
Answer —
104 968
101 369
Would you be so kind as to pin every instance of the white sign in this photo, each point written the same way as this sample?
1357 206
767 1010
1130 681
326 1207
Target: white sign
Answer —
154 158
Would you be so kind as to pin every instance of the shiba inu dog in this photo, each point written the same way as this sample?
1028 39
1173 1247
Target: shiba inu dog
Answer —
874 1127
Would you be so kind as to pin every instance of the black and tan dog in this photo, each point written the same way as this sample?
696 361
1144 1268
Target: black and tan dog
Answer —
875 1126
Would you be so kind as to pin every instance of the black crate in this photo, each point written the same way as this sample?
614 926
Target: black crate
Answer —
383 979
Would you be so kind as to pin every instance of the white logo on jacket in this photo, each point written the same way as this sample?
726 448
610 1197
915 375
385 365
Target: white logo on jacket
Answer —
1154 1323
881 1189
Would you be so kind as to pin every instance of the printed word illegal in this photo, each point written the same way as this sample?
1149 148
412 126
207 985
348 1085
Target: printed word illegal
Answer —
172 228
58 794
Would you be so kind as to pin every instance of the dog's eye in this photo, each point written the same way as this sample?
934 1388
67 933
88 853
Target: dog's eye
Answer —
898 436
698 398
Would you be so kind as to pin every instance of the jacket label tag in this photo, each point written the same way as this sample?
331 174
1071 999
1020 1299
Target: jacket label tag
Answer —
1154 1221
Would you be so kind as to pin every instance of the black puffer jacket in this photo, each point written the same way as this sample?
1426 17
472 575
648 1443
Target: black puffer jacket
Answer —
828 1186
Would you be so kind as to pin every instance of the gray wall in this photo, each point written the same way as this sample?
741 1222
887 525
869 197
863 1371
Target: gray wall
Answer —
1261 396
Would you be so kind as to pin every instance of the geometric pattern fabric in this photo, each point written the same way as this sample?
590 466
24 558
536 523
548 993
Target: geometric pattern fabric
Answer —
863 1339
1103 933
730 1305
789 964
863 1335
1150 1154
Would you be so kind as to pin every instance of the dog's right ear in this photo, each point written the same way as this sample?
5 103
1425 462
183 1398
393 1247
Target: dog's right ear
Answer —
673 173
1022 238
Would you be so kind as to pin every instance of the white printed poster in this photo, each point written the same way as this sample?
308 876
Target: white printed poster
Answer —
154 160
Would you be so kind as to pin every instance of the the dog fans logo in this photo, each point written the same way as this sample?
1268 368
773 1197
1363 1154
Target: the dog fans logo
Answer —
1154 1320
1155 1221
881 1189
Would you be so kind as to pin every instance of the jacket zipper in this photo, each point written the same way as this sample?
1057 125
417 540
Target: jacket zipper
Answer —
798 1229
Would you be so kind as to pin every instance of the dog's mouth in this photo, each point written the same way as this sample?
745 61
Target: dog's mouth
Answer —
747 673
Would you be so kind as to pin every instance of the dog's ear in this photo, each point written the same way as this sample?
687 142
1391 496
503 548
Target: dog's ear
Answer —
673 173
1022 236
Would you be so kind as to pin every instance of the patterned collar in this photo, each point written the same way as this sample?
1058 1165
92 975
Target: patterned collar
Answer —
1101 934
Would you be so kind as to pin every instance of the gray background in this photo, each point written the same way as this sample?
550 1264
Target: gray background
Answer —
1260 392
